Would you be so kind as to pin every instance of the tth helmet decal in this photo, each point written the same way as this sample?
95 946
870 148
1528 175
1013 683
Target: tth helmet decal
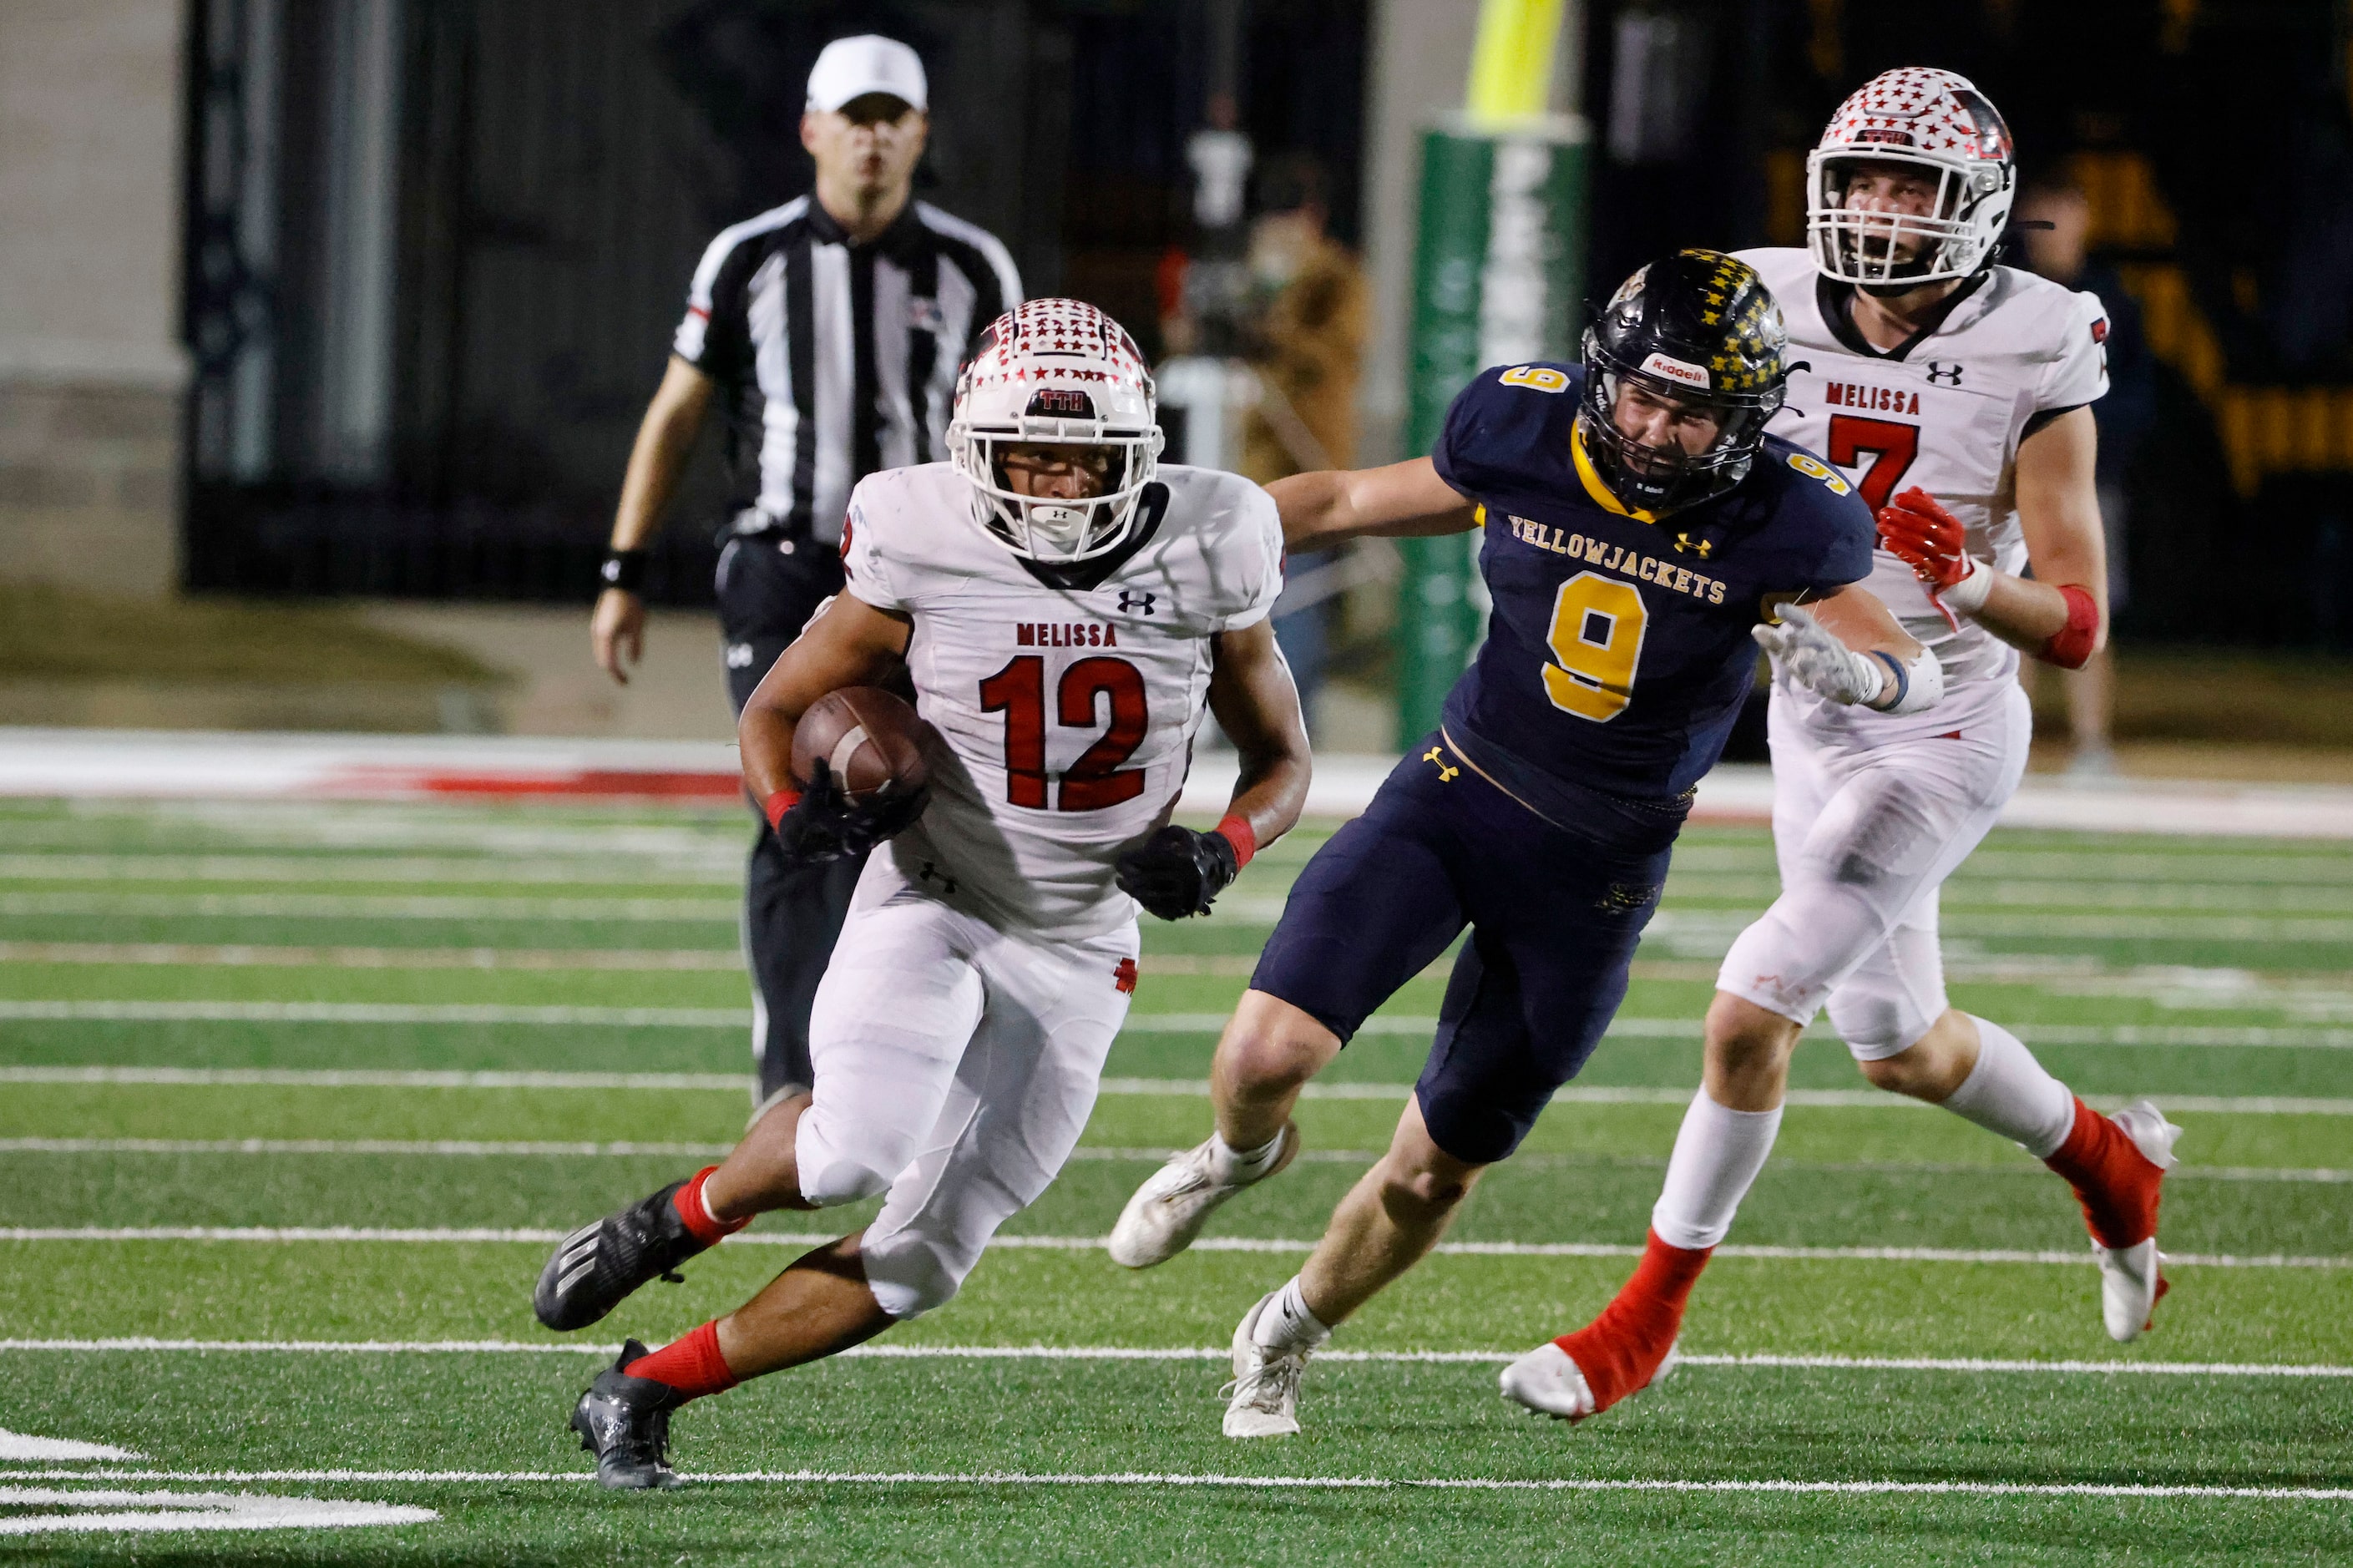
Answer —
1055 372
1939 125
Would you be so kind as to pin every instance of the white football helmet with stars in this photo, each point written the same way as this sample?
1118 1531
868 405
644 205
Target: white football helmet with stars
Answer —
1056 371
1940 123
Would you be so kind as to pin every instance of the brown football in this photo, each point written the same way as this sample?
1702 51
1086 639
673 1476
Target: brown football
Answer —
867 736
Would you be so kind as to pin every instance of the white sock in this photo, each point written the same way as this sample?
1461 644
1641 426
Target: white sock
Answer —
1717 1155
2010 1093
1287 1324
1228 1164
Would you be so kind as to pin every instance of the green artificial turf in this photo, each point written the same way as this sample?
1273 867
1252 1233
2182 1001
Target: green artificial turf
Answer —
2060 932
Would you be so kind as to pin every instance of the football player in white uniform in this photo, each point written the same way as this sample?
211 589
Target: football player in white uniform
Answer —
1067 610
1955 394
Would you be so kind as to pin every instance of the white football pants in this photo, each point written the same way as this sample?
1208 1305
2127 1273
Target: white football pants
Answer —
956 1064
1864 838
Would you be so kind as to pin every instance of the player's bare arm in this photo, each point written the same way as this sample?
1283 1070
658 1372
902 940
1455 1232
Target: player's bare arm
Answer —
1400 500
850 643
2061 614
2059 513
1855 616
665 441
1848 647
1174 873
1255 702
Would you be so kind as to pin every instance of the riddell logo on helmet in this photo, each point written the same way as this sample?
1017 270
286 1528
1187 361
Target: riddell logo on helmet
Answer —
1676 370
1061 402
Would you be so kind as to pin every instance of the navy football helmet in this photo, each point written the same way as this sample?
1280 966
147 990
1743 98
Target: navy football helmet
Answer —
1698 330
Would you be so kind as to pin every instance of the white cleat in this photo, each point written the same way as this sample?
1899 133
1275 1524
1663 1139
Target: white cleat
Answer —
1548 1382
2132 1279
1168 1211
1264 1400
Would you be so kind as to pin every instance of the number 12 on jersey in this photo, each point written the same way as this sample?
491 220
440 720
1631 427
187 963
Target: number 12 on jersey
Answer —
1096 780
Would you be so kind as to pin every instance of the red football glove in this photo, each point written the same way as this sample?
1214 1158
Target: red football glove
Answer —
1918 531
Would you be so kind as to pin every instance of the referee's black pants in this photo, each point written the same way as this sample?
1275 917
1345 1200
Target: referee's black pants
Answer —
768 587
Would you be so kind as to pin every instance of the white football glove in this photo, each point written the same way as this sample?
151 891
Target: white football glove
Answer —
1804 653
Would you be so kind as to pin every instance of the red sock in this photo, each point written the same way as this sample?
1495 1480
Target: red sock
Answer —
692 1365
1620 1350
2114 1179
687 1202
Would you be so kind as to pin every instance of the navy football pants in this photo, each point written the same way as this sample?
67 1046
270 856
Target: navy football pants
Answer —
1555 912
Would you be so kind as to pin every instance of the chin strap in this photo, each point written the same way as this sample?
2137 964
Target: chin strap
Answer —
2072 643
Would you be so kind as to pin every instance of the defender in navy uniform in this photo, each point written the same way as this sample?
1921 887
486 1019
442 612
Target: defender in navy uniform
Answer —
1643 536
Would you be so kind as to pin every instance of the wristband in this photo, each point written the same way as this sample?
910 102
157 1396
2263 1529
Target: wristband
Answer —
624 569
2072 643
776 805
1967 597
1900 684
1236 830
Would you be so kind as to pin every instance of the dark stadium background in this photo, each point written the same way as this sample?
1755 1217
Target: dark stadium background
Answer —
563 162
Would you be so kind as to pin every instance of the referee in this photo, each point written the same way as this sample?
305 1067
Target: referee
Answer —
830 331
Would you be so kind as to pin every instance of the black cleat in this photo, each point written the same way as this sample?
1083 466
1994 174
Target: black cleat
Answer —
596 1267
625 1421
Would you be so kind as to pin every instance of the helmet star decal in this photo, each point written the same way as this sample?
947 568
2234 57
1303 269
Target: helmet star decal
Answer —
1056 373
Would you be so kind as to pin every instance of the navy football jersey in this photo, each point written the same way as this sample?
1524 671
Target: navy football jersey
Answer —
1618 651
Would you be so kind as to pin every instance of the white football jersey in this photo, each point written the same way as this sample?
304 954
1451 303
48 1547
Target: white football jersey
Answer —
1068 713
1948 415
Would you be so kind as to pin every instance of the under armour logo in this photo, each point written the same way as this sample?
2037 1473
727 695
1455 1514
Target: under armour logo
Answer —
1698 547
1122 977
739 656
1437 755
1943 375
931 873
1134 603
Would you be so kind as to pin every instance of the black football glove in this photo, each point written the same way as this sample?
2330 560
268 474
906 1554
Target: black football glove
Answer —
1178 872
826 825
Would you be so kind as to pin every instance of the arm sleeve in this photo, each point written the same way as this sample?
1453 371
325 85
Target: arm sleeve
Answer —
1255 541
714 336
2078 373
866 565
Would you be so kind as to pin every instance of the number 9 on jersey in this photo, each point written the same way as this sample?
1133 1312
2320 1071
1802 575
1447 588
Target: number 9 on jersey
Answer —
1596 639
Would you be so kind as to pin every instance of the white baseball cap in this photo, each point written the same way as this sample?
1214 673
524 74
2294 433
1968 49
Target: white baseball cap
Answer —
852 67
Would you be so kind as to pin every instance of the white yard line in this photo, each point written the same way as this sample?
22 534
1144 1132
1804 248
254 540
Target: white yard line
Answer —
1245 1483
1257 910
338 906
232 955
424 1148
1759 1362
1959 919
1975 891
22 1447
430 1235
601 871
153 1513
728 1018
436 1147
1688 1028
364 1077
1182 1089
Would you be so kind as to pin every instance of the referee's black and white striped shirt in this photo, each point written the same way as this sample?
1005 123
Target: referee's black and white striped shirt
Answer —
836 360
